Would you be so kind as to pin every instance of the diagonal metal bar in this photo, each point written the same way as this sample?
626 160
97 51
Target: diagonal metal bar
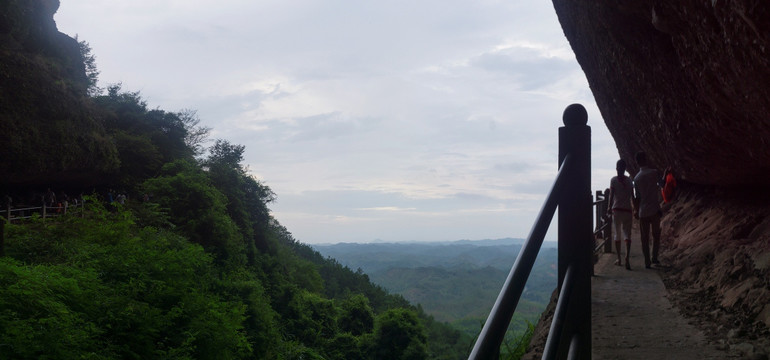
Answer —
559 316
488 344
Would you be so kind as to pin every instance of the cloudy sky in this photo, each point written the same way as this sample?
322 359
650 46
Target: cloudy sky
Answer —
371 120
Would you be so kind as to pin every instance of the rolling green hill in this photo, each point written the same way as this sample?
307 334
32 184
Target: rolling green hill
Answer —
457 282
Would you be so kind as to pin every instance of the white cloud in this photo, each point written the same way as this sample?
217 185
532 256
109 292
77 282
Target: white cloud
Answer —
398 120
387 208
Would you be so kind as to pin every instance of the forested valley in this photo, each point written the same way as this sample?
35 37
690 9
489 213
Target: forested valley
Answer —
456 281
191 265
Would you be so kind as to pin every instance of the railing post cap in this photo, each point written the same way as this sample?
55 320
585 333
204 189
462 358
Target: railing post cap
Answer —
575 115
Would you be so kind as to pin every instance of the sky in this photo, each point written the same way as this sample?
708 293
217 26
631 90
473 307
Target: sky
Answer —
430 120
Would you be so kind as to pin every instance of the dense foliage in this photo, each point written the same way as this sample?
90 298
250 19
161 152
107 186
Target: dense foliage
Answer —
456 282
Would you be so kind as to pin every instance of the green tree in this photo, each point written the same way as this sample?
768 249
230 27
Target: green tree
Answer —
145 139
247 198
89 62
196 135
262 322
101 288
356 316
399 334
310 319
196 208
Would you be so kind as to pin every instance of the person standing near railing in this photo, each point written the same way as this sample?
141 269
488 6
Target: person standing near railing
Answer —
49 198
647 207
620 200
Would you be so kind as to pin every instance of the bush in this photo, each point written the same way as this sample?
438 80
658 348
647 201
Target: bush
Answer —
111 290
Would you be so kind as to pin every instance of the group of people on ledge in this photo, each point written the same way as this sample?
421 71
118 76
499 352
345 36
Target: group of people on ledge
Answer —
639 198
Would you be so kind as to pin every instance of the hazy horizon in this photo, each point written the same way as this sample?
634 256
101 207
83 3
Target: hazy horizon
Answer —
546 242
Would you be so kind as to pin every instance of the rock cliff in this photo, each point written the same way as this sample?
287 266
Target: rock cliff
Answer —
688 82
49 132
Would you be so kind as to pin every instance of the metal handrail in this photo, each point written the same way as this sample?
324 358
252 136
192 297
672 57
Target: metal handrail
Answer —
575 250
559 316
494 329
574 348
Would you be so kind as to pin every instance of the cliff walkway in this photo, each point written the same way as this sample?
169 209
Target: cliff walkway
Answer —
602 310
632 317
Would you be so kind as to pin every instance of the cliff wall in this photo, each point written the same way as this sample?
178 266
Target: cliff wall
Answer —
688 82
49 131
685 81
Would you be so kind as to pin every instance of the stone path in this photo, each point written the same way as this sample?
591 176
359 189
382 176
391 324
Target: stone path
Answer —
632 317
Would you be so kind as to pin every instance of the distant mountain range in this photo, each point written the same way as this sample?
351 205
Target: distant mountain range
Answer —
374 257
454 281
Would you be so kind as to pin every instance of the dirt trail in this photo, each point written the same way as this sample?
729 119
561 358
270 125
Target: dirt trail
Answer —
632 317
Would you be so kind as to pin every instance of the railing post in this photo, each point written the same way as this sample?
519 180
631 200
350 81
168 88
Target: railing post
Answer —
8 201
575 235
2 237
598 220
607 235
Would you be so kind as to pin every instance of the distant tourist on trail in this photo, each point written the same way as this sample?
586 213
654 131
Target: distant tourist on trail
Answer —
647 207
65 200
668 185
620 202
111 201
49 198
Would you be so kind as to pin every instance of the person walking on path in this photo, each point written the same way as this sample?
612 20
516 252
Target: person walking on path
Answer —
647 207
620 200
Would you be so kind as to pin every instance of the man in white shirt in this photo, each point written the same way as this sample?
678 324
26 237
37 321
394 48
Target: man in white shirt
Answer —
620 200
647 207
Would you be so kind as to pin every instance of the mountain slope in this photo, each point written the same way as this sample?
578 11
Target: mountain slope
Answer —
457 282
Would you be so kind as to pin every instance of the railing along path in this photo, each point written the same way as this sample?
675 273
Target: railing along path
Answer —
10 214
570 332
14 214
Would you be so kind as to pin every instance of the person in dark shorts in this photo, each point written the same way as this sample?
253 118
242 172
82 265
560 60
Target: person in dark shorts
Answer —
647 207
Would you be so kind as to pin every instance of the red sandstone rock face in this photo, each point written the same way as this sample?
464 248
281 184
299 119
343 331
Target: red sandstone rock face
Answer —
716 245
686 81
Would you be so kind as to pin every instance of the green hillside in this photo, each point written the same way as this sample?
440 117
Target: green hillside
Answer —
190 263
456 282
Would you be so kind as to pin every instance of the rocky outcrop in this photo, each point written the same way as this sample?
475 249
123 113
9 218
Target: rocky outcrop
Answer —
49 132
685 81
688 82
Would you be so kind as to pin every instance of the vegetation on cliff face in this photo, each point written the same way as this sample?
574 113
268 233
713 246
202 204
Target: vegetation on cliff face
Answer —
200 270
108 286
48 128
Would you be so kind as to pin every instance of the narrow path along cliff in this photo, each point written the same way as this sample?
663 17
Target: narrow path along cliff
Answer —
633 318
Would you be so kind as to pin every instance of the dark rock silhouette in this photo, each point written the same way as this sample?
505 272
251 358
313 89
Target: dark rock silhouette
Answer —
687 82
49 131
684 81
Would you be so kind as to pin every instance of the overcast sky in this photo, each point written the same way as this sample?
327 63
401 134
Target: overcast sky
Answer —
371 120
